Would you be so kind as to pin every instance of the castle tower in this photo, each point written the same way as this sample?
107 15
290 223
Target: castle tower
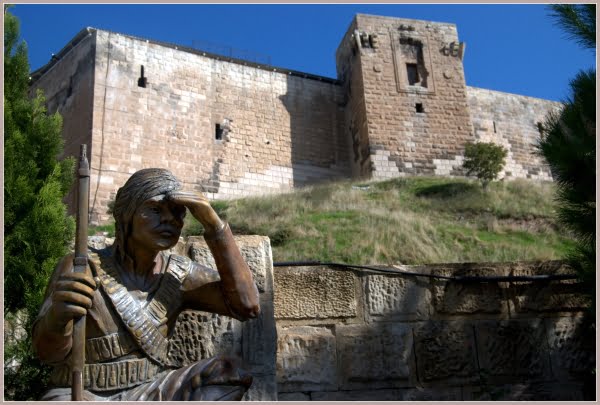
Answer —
407 110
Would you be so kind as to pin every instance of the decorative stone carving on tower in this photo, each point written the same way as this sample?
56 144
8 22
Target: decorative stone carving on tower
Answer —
455 49
365 40
412 62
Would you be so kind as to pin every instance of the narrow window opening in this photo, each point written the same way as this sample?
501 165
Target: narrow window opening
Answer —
70 89
412 73
540 128
494 122
218 132
419 108
142 81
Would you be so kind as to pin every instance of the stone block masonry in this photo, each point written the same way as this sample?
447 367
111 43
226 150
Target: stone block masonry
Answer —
233 128
416 338
514 122
226 129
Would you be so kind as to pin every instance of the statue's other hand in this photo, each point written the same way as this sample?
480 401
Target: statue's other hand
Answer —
72 297
199 207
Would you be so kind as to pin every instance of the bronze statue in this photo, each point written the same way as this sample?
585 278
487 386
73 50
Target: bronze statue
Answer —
132 294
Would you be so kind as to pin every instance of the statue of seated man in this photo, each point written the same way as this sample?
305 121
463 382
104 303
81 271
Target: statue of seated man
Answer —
132 294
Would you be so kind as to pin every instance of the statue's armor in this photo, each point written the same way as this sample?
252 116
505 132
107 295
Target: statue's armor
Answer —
137 351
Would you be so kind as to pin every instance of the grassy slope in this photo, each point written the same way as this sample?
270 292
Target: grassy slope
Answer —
407 220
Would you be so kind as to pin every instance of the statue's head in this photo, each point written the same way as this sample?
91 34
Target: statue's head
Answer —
145 189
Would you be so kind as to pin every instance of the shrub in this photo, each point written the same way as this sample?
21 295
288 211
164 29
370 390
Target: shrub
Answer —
37 230
484 160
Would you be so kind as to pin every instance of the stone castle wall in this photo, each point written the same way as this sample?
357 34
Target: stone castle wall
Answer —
69 89
278 131
512 121
232 128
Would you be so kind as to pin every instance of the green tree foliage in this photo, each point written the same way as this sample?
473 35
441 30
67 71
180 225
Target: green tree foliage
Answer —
578 21
37 230
568 144
484 160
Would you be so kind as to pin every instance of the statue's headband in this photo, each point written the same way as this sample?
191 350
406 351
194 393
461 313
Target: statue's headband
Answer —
142 185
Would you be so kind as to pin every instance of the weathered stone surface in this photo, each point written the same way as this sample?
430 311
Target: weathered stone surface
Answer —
293 396
572 347
548 391
514 349
263 388
256 251
412 394
430 394
445 352
306 359
200 335
511 120
261 336
397 297
365 395
552 296
459 298
314 292
378 355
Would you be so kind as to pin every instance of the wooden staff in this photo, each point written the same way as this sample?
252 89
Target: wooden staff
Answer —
79 266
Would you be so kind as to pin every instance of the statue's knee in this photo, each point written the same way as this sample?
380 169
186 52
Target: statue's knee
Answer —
218 380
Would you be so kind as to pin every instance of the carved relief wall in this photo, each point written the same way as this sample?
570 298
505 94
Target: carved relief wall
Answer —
398 337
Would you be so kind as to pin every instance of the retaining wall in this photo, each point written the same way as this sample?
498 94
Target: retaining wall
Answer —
348 335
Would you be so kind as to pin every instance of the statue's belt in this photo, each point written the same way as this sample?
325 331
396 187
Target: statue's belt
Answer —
110 376
108 347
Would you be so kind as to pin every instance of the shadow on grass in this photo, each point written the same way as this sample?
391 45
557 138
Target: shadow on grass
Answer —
448 190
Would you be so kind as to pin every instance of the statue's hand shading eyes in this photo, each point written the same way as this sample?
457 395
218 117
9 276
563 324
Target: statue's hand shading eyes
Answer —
199 207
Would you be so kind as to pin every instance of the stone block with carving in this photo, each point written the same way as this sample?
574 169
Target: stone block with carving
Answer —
306 359
314 293
200 335
378 355
526 391
458 298
512 350
397 298
552 296
572 345
445 353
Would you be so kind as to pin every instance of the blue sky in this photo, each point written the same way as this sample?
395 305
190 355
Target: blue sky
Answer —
511 48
